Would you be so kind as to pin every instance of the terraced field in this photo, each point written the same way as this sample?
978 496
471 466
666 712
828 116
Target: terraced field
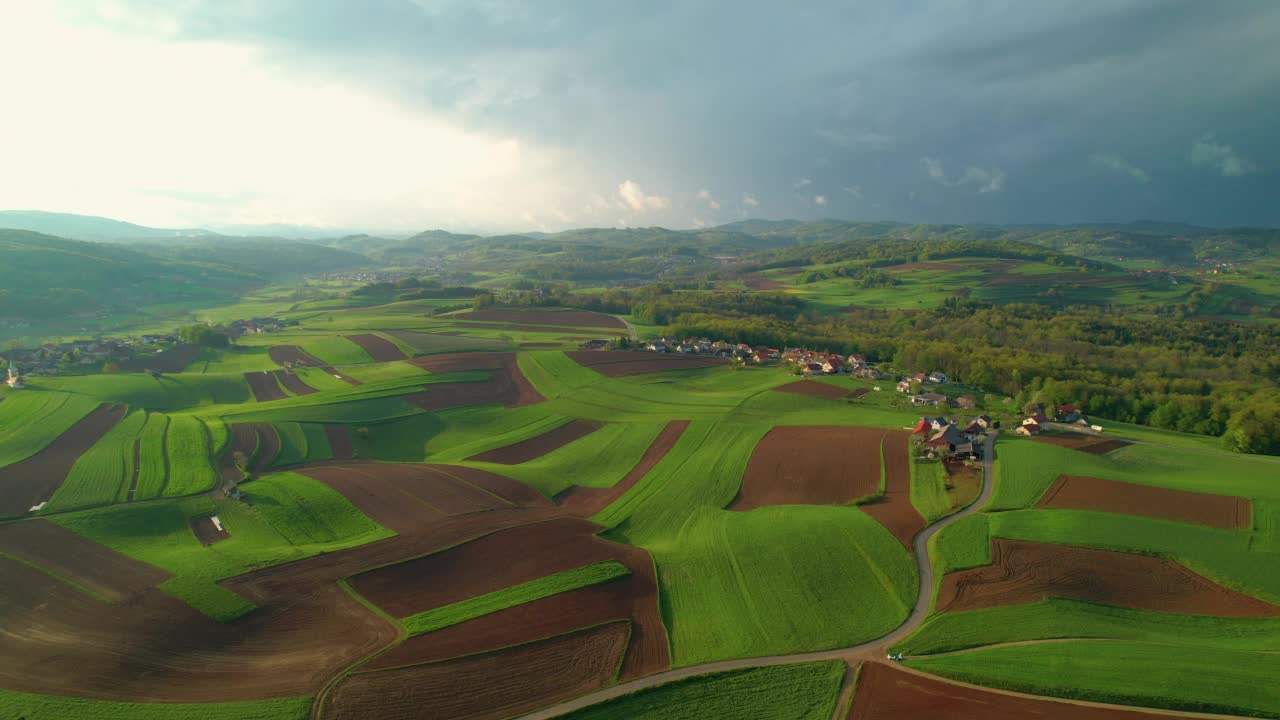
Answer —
413 519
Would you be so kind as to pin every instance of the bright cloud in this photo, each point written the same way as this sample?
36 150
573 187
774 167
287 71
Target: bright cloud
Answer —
634 197
1207 152
705 196
986 180
819 199
749 200
1117 164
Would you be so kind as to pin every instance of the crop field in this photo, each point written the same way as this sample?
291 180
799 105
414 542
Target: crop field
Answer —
464 515
784 692
1175 677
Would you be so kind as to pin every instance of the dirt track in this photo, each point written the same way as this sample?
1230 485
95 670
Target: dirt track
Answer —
1087 493
585 501
29 482
490 686
1025 572
378 348
827 465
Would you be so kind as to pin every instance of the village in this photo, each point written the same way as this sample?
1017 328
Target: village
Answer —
936 437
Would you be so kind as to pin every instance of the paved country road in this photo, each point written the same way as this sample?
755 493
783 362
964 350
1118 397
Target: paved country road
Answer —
871 650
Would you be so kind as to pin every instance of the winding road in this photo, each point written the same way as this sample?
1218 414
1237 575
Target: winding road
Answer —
870 650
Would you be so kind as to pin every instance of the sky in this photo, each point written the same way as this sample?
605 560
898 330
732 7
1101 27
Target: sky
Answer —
494 116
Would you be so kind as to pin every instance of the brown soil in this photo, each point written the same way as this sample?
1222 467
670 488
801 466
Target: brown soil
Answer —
514 492
340 441
77 558
1083 442
933 265
174 360
1087 493
1053 279
888 692
571 318
585 501
811 466
536 447
761 282
506 384
419 491
510 557
964 481
264 386
814 389
292 383
378 347
258 442
858 393
622 363
490 686
536 345
1023 572
280 354
893 509
29 482
268 448
205 531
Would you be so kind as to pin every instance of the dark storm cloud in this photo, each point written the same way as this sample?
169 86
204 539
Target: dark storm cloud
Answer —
934 111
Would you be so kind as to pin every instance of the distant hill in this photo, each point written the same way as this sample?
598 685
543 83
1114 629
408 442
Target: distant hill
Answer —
88 227
50 277
261 257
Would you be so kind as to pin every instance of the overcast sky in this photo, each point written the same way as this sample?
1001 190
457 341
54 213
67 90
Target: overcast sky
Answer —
400 115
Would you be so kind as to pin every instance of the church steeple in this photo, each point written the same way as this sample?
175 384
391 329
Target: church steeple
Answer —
15 378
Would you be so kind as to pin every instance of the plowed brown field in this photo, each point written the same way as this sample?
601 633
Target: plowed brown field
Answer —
536 447
1088 493
886 692
814 389
585 501
571 318
762 282
515 492
411 494
66 554
893 509
623 363
506 384
29 482
377 347
264 386
489 686
1091 444
812 466
175 359
292 383
280 354
1023 572
339 437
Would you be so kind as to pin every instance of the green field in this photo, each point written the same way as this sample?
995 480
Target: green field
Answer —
29 421
1176 677
102 475
290 517
782 692
442 617
47 707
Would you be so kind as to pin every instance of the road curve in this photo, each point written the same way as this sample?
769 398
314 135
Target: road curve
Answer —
869 650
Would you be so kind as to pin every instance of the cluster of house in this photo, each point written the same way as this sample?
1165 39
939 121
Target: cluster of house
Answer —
47 359
718 348
236 328
1066 414
824 363
949 437
933 399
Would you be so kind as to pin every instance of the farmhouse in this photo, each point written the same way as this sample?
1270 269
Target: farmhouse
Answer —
1028 428
937 378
